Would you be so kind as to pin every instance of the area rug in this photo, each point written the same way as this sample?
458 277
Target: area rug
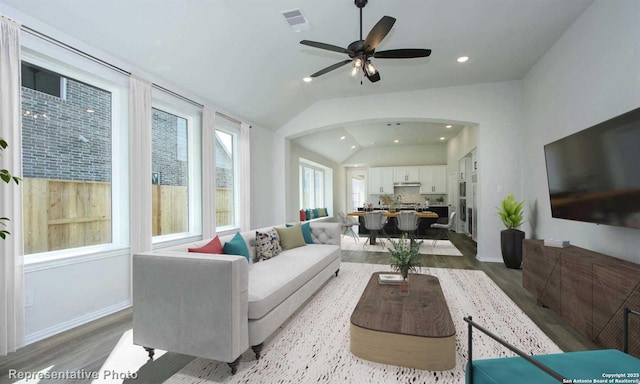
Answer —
442 247
313 346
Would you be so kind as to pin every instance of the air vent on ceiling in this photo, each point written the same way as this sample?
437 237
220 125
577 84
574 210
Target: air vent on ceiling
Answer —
296 20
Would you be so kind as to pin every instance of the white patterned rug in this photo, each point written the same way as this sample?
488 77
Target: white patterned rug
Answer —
442 247
313 346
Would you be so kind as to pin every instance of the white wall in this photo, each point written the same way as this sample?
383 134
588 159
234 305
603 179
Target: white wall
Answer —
74 292
495 108
590 75
460 146
435 154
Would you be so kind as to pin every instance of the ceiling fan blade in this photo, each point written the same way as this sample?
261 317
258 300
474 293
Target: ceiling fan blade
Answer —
373 78
378 33
327 47
330 68
402 53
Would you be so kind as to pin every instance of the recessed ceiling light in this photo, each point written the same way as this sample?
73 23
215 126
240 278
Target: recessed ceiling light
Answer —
396 141
462 59
388 124
442 138
353 147
397 123
449 126
307 79
343 137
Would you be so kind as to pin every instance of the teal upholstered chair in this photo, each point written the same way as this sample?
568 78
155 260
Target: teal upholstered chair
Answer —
552 368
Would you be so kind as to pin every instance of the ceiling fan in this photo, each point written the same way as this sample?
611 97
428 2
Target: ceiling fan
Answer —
361 51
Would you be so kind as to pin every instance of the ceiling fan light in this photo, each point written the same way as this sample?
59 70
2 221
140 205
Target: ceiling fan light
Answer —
371 70
354 71
357 62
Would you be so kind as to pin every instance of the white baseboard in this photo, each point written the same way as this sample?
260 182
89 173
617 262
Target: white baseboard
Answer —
67 325
489 259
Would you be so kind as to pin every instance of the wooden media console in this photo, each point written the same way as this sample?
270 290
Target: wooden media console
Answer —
588 289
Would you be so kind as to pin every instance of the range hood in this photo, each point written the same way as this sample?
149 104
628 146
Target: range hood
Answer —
407 184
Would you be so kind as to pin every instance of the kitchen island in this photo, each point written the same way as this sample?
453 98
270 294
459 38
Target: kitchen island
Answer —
427 217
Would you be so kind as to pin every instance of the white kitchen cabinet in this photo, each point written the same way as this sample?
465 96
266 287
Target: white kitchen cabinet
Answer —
406 174
380 180
439 179
433 179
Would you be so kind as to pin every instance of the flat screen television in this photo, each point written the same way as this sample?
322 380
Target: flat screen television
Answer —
594 175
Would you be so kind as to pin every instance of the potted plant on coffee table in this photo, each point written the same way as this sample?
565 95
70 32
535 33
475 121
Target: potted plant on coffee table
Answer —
510 211
405 259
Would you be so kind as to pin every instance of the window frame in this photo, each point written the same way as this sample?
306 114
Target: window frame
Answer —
91 74
235 133
326 183
174 106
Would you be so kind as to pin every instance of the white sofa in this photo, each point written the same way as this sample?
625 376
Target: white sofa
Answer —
216 306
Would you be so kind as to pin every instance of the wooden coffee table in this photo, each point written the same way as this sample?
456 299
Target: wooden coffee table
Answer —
414 331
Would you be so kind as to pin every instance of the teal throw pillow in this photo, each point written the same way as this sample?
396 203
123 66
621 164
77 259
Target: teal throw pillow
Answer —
326 211
315 213
236 246
306 232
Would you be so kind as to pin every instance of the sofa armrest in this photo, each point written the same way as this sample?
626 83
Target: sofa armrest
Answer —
325 233
191 303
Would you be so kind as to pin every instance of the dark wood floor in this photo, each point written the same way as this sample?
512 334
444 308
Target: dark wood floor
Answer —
87 347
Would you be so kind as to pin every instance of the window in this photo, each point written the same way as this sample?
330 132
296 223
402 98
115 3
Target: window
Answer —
311 186
170 173
226 179
67 162
42 80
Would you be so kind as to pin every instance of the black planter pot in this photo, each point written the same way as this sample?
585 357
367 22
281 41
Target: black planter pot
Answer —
511 245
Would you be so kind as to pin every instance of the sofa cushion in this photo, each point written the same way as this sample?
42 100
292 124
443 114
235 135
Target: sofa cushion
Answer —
267 244
214 246
272 281
237 246
291 237
306 232
303 215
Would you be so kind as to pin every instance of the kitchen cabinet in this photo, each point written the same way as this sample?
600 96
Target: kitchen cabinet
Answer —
406 174
380 180
433 179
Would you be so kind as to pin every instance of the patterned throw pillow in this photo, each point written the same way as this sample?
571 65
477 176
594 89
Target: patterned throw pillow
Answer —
267 244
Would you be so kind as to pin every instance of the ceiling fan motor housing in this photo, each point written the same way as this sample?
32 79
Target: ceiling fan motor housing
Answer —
361 3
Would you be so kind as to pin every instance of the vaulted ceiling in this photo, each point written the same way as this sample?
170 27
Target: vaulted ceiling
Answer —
242 57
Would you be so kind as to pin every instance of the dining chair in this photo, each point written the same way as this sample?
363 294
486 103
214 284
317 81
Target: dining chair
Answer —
408 223
347 223
443 228
374 223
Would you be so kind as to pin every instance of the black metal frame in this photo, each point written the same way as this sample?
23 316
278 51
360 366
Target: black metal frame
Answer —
544 368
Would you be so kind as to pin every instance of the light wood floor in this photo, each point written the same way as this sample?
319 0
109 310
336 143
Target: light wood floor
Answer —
87 347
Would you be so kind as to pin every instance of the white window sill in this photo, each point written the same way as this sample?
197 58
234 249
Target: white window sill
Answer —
55 259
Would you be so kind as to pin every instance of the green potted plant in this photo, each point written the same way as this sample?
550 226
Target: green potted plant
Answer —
5 176
405 259
510 212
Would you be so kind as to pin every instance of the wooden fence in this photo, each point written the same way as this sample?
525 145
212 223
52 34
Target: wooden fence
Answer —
64 214
224 207
170 209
